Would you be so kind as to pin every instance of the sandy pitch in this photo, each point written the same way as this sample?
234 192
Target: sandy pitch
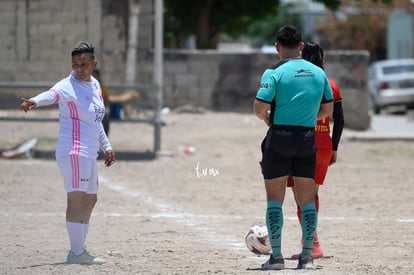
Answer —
188 214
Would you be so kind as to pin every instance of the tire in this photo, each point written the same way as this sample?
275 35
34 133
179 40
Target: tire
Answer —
375 108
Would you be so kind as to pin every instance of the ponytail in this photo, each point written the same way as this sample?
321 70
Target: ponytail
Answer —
313 53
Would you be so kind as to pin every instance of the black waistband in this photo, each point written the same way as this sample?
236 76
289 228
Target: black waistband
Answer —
293 128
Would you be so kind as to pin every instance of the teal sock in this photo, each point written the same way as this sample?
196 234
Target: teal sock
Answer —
309 223
274 223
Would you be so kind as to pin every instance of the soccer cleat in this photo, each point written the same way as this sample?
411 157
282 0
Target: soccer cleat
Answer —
305 262
316 253
277 263
84 258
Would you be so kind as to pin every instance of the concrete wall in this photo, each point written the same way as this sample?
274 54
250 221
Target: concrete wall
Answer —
38 35
229 81
349 69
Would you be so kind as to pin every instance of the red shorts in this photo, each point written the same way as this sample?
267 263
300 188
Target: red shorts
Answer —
323 158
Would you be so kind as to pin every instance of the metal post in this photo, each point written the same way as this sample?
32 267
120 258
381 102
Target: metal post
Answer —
158 71
131 59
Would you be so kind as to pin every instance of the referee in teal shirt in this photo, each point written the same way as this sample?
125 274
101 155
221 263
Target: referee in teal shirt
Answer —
292 96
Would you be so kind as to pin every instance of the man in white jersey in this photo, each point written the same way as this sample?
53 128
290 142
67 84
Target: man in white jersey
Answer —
81 136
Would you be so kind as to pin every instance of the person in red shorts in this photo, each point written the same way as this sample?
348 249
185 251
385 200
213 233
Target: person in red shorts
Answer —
327 147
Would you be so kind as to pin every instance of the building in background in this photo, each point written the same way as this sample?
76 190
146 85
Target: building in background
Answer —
310 11
400 36
36 37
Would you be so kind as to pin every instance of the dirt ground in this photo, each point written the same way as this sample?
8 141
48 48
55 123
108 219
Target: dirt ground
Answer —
188 213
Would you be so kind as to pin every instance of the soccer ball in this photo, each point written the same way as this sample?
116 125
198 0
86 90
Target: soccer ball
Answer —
257 240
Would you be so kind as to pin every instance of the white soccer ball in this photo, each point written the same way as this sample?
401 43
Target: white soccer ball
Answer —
257 240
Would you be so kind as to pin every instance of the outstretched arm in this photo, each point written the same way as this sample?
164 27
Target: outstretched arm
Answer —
27 104
42 99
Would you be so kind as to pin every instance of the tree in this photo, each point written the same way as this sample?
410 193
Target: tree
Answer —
208 19
263 32
358 25
335 4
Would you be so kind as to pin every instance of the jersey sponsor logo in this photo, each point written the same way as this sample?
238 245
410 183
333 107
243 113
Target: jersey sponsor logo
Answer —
304 73
99 112
321 128
264 85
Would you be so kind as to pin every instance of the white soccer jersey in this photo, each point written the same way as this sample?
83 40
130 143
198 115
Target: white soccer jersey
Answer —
81 110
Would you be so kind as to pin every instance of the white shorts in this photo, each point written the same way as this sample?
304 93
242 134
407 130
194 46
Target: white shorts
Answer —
79 173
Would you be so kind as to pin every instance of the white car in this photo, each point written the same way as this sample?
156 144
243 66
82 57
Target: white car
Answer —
391 82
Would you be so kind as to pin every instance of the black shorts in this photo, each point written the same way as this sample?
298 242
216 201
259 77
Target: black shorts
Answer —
289 150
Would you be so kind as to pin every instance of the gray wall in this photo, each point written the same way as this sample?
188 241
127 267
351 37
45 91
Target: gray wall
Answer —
38 35
229 81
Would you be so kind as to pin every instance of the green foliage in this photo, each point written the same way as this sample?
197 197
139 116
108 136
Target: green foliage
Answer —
330 4
207 19
335 4
263 32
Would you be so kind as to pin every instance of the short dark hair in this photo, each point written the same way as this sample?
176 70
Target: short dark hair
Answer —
84 47
289 37
313 53
97 74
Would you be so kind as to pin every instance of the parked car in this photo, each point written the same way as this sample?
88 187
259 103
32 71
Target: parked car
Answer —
391 82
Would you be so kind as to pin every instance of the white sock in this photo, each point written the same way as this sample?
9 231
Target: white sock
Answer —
85 229
76 239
